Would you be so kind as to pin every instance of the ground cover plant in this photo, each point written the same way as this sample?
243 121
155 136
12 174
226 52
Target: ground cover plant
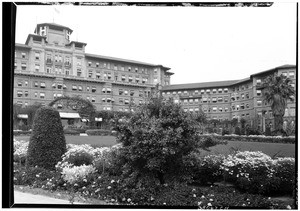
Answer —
157 163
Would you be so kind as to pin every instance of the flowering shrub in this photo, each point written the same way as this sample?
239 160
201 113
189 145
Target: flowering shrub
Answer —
20 151
256 172
208 169
73 174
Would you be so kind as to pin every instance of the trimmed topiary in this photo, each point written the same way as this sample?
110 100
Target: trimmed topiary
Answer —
47 142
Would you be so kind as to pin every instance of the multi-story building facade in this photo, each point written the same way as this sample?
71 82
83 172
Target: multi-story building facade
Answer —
49 65
225 100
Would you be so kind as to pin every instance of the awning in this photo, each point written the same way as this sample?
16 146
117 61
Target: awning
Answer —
22 116
69 115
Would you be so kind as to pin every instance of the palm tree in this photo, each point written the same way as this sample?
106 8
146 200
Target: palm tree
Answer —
277 90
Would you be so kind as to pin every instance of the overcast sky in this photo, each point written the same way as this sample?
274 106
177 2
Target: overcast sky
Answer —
199 44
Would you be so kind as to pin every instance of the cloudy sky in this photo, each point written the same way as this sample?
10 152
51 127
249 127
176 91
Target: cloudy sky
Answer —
199 44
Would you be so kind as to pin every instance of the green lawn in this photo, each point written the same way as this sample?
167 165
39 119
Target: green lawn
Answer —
286 150
93 140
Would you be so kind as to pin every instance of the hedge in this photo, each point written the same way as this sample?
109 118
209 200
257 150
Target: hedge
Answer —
20 133
47 142
99 132
266 139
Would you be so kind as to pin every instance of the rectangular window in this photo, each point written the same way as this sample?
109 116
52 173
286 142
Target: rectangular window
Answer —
259 102
15 65
220 90
131 92
123 78
37 67
87 88
242 96
20 83
208 91
19 93
108 90
258 92
80 88
129 69
258 82
141 94
284 74
90 73
78 72
43 85
214 109
214 99
98 74
26 93
202 91
74 87
126 101
214 91
78 62
37 55
42 95
93 100
120 91
89 64
130 78
196 92
97 64
220 99
204 100
23 55
93 89
291 74
126 92
191 101
220 109
67 72
121 101
237 107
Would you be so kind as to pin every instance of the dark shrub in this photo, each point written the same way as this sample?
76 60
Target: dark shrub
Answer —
99 132
69 131
47 142
157 140
80 158
237 131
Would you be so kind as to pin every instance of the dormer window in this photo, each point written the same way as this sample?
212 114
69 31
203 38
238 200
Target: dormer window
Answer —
37 55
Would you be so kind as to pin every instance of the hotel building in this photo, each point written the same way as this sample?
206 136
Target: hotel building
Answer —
49 65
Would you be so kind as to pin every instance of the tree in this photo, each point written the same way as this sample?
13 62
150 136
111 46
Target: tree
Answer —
47 143
16 111
157 139
30 111
84 107
277 90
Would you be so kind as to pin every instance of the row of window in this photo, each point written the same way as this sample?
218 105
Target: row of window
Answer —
196 92
111 66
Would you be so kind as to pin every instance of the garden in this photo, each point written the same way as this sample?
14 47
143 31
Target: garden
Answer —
157 161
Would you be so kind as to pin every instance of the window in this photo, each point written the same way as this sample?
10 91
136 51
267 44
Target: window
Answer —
185 92
108 90
19 93
26 93
20 83
220 90
67 72
37 55
93 100
284 74
15 65
80 88
237 107
258 92
89 64
23 66
37 67
191 100
179 92
42 95
141 94
136 69
19 103
93 89
196 92
123 78
202 91
174 93
90 73
220 99
293 85
258 81
97 64
259 102
108 76
185 100
247 95
74 87
168 93
247 105
291 74
126 101
23 55
98 74
78 72
137 79
126 92
220 109
129 69
26 104
226 109
214 99
78 62
36 84
144 80
214 90
233 107
197 100
121 101
214 109
120 91
103 90
242 106
130 78
204 100
131 92
87 88
59 106
225 99
43 85
208 91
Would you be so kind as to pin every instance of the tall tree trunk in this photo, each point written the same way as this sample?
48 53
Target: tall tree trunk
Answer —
278 124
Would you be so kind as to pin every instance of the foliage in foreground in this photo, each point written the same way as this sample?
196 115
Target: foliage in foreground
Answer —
47 142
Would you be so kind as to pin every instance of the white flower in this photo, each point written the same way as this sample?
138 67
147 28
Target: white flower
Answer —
199 203
209 204
37 175
112 181
128 200
202 197
152 199
109 187
124 199
288 207
84 180
194 195
211 200
165 203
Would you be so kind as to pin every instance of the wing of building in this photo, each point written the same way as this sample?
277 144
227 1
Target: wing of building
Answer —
224 100
49 65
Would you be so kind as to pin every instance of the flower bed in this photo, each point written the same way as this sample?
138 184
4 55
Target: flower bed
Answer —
254 138
95 173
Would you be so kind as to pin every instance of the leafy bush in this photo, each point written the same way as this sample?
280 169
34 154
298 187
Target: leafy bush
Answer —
20 151
156 140
256 172
47 143
99 132
237 131
207 169
69 131
20 133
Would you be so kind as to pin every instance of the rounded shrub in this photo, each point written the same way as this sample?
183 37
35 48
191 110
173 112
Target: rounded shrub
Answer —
47 142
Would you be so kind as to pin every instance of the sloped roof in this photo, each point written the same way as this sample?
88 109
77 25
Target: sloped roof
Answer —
53 24
124 60
22 45
273 69
200 85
